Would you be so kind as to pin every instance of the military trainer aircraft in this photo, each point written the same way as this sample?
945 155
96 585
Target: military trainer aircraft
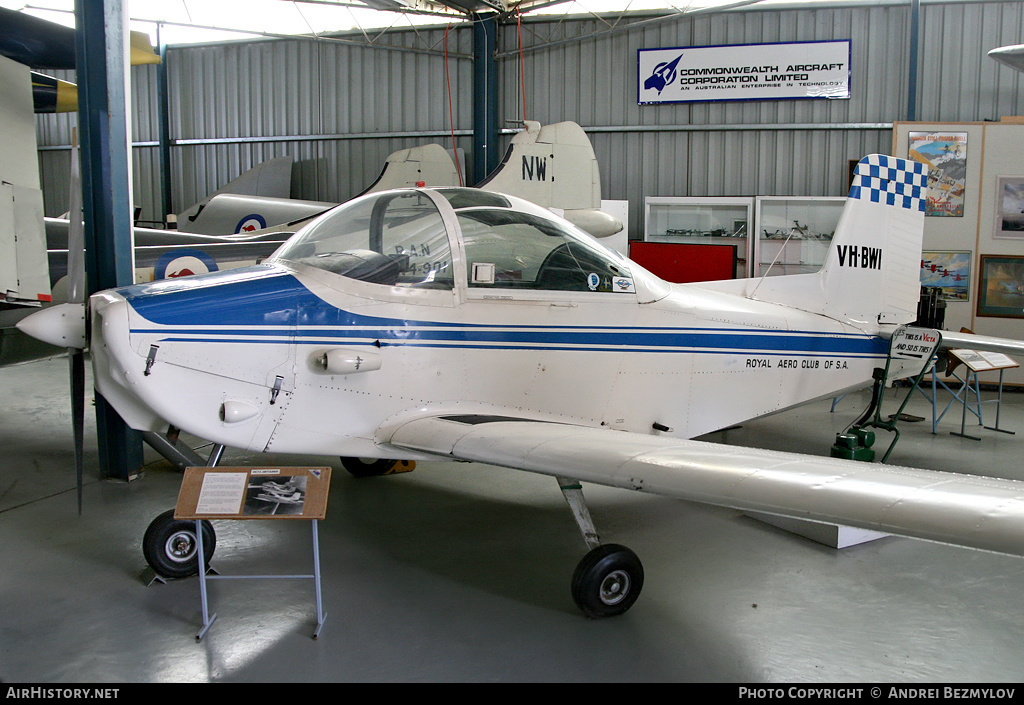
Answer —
461 324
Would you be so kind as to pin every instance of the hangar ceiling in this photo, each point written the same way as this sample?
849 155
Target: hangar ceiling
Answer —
198 21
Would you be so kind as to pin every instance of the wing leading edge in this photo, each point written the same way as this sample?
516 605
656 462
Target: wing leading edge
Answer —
973 341
965 510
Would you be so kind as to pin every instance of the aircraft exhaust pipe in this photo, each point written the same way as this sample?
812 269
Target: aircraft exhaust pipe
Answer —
342 361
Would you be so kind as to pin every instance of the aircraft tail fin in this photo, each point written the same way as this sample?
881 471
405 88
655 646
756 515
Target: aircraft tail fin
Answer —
428 165
272 179
871 273
873 266
554 166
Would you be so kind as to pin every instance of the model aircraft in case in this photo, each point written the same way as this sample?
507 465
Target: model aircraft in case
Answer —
466 325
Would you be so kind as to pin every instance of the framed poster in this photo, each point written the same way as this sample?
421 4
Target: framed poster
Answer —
1010 207
948 271
945 154
1001 286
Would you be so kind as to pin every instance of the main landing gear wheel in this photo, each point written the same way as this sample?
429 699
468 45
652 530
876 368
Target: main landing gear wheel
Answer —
170 545
607 581
367 467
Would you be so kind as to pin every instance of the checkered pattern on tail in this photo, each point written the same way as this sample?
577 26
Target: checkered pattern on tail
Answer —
895 182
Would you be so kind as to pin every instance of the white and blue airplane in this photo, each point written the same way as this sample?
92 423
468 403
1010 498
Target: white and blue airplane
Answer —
466 325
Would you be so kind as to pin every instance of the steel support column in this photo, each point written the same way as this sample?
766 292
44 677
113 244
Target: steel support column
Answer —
915 19
485 96
163 108
102 29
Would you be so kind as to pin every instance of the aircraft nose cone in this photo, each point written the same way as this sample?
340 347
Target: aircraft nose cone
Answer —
62 325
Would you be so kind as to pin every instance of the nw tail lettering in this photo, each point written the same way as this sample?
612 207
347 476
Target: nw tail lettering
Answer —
535 168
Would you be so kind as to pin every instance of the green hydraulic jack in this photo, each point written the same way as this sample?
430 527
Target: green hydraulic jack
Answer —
913 344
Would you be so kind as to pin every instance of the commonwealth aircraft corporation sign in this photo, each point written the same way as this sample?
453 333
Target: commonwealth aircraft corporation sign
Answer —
800 70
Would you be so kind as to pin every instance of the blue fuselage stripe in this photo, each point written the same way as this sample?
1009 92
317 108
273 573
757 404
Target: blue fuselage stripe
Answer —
268 305
661 341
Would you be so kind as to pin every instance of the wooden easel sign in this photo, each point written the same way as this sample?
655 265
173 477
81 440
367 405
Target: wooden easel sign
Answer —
253 493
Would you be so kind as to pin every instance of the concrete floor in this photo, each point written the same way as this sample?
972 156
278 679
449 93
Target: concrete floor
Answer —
460 572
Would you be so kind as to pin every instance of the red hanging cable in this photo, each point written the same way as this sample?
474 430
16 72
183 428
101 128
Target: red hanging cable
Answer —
451 116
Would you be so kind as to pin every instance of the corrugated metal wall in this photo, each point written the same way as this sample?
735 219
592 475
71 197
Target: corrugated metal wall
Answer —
340 109
765 147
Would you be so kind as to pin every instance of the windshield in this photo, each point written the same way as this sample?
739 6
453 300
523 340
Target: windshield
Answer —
396 239
512 249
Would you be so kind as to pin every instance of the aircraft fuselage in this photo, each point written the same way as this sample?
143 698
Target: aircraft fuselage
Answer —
238 358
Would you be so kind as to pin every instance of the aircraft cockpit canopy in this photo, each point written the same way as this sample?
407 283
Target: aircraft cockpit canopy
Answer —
399 238
395 238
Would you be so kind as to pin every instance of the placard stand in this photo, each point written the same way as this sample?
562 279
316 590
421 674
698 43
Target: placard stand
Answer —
914 350
254 493
976 362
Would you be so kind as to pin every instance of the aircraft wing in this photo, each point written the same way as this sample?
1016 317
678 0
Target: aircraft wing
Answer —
964 510
973 341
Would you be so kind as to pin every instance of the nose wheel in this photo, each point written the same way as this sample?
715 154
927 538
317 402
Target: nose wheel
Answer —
170 546
609 578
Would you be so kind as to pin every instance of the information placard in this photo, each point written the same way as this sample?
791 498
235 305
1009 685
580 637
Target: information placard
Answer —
253 493
983 361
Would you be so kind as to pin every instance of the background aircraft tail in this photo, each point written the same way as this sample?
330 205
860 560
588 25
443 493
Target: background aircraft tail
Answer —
554 166
872 271
270 179
428 165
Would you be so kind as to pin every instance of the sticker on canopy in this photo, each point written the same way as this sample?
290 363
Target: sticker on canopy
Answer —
593 281
183 263
624 284
251 223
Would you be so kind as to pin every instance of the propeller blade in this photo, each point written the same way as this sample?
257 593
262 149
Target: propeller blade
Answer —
77 363
65 325
76 295
76 231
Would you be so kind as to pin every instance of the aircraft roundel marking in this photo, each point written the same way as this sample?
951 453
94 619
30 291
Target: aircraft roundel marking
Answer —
183 263
251 223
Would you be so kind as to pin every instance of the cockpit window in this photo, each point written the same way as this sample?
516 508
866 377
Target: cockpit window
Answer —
396 239
473 197
514 250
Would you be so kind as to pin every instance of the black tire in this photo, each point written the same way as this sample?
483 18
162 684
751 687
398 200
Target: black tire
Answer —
170 546
607 581
365 467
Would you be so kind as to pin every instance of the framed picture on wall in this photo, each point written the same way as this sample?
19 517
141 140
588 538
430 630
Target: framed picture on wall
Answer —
945 154
1001 286
1009 206
948 271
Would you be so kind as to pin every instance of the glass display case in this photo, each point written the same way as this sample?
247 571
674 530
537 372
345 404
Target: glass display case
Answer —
794 233
700 220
